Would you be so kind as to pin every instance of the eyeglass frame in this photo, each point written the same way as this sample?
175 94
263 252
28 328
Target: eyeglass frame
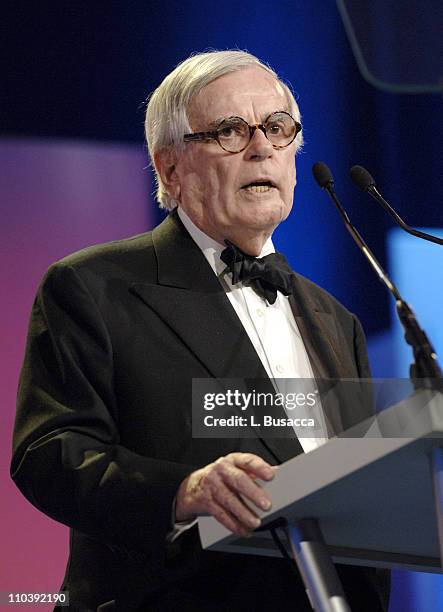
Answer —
214 134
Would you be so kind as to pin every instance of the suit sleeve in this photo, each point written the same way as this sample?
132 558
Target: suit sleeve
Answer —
67 456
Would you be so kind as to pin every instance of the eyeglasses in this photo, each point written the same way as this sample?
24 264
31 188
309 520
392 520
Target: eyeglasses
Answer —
234 134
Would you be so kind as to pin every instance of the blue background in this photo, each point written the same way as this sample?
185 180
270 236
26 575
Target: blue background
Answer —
84 70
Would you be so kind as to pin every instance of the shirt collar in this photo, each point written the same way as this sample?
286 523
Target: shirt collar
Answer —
212 249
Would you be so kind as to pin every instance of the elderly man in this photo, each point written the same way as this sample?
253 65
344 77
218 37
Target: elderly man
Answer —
103 439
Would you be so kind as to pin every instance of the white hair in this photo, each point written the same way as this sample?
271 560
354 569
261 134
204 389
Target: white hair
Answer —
166 115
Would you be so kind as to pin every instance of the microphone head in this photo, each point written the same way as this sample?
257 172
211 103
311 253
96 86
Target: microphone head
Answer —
322 175
361 177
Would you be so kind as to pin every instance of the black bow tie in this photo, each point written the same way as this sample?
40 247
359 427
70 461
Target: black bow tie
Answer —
267 275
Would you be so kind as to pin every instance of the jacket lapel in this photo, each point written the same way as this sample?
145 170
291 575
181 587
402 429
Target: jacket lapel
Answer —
190 299
318 328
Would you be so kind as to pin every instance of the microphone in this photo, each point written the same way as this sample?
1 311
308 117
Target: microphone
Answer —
364 181
323 176
426 364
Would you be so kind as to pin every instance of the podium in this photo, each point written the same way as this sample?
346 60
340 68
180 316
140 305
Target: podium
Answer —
376 492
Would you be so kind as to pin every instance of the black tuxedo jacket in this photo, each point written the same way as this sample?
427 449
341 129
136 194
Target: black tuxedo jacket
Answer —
103 428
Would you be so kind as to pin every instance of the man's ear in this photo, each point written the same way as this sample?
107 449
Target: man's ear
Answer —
165 162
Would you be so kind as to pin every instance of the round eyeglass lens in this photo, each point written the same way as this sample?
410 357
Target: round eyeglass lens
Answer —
280 129
233 134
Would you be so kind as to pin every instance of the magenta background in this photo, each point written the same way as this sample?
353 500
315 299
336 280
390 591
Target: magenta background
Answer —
55 198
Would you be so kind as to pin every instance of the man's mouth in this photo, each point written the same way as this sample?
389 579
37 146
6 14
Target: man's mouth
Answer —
259 186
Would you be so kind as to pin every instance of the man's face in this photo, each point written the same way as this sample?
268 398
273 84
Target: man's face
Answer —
212 184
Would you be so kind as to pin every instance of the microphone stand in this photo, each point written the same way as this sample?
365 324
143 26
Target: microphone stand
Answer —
308 546
425 372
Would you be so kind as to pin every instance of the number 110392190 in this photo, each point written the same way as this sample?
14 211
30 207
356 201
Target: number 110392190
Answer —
61 599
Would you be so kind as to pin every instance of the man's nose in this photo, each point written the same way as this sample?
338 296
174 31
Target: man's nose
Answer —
259 146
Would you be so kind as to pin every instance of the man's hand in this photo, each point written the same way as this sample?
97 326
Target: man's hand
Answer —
216 489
